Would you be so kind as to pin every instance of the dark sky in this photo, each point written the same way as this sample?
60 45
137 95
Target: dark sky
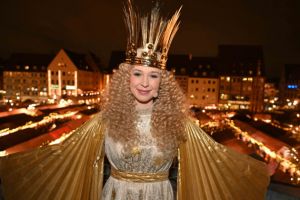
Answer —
45 26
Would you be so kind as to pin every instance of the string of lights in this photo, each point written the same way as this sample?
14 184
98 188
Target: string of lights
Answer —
291 166
46 120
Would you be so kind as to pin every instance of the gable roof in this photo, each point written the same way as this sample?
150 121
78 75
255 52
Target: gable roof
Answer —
203 67
241 60
27 62
80 60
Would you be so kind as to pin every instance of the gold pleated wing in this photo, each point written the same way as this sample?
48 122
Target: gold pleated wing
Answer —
71 170
210 171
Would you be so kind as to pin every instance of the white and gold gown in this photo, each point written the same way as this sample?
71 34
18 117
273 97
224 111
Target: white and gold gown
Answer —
144 158
73 170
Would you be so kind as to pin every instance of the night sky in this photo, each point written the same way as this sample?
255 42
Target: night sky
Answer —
35 26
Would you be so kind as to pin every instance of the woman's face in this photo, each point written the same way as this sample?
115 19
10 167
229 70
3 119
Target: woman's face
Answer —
144 84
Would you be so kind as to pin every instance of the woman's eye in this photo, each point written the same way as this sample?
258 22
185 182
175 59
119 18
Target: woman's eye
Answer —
136 74
154 76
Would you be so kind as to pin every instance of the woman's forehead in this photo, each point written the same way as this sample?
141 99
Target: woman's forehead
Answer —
145 68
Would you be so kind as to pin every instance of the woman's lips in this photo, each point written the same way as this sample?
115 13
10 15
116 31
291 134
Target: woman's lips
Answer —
143 92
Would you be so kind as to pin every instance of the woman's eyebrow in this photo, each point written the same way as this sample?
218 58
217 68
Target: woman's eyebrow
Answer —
136 70
154 72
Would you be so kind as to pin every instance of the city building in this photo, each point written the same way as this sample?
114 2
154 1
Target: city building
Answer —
25 77
203 82
178 65
1 73
73 75
271 95
2 92
242 77
290 85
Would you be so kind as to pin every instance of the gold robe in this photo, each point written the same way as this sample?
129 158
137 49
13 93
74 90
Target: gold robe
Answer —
74 169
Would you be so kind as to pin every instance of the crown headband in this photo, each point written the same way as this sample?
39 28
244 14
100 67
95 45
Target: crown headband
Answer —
149 36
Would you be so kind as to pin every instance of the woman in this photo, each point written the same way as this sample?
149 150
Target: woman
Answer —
142 127
143 134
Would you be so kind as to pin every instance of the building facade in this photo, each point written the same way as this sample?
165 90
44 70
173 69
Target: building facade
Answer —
25 77
242 77
72 75
203 82
178 64
290 86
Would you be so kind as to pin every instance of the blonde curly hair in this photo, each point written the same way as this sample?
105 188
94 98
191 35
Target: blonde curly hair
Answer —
168 113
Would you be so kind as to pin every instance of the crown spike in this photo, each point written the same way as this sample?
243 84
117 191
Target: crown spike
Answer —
156 32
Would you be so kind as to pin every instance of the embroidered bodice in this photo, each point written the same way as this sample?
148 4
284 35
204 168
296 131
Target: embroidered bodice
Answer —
145 157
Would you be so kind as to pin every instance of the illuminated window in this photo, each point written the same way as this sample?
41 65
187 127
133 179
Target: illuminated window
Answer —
224 96
27 67
228 79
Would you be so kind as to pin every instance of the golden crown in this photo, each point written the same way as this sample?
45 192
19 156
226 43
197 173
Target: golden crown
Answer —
149 36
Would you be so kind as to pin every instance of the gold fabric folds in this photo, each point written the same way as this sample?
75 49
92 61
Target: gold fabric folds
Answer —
139 177
210 171
71 170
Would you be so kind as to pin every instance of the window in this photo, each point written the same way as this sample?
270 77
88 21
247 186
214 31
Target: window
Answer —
208 89
224 96
182 70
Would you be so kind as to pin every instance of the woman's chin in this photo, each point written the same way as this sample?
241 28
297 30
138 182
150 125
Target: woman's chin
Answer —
144 100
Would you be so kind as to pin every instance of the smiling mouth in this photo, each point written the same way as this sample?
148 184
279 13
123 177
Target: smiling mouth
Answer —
143 92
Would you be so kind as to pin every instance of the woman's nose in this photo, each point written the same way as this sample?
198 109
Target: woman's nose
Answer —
145 81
